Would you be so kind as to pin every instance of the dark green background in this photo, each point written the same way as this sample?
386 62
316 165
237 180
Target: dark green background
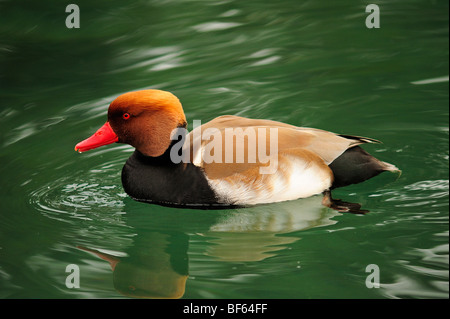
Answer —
308 63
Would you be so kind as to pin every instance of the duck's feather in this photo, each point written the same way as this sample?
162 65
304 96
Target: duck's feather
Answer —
325 145
300 155
252 161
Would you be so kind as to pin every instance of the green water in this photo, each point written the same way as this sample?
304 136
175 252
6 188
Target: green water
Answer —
308 63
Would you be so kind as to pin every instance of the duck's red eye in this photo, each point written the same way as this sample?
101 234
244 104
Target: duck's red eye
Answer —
126 116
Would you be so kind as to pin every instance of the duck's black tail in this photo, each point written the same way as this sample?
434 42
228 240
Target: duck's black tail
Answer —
355 165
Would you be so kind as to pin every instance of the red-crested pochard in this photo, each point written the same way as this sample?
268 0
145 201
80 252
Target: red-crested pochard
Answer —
179 169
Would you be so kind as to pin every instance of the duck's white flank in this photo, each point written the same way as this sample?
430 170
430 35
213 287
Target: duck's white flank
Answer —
295 178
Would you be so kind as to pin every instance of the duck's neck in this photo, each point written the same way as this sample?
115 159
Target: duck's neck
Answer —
166 157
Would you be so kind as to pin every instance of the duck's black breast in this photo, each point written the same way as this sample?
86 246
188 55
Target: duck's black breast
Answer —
158 180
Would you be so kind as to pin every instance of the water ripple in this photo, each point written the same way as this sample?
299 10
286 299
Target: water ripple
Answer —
426 192
30 128
84 196
432 263
215 26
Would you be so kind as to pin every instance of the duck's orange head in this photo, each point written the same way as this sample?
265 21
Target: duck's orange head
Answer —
144 119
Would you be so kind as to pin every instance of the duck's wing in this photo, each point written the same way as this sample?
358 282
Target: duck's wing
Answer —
250 135
248 161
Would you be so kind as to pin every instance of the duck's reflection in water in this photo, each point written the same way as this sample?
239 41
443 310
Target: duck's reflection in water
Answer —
252 234
156 265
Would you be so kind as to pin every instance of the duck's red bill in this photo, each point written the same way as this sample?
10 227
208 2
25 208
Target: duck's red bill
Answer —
104 136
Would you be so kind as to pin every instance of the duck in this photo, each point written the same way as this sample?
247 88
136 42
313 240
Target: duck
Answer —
230 161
